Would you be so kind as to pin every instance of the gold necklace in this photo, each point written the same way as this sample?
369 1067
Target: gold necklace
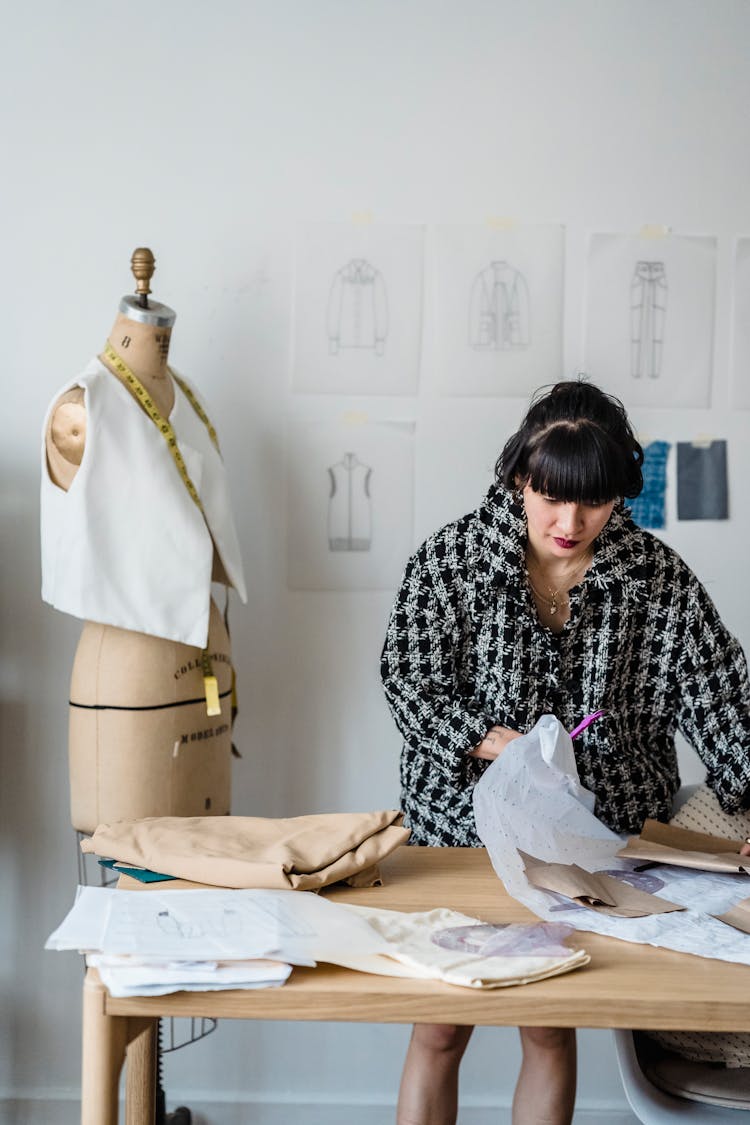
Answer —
552 602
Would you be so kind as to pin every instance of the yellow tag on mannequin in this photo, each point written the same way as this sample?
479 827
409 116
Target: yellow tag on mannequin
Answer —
211 686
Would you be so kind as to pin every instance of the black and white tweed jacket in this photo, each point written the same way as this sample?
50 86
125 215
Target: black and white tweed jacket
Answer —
465 650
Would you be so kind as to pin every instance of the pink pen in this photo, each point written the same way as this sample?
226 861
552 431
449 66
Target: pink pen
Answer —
586 723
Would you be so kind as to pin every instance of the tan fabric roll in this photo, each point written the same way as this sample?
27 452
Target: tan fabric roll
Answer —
297 853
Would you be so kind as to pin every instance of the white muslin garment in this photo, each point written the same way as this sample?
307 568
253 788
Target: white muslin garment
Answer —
126 545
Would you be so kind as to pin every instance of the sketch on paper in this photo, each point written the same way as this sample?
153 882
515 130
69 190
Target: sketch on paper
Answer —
499 312
357 309
357 317
349 513
350 503
648 306
650 317
498 308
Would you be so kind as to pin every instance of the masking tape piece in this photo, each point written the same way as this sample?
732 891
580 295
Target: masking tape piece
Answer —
655 230
501 222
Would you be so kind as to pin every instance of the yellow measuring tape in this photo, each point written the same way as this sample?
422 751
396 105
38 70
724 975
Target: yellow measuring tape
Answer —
137 391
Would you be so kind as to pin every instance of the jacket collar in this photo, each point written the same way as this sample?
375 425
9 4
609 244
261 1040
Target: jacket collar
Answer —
619 565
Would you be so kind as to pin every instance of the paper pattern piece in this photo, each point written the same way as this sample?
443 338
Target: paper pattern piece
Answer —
738 916
350 506
530 799
665 843
650 318
647 509
702 491
358 308
499 300
603 893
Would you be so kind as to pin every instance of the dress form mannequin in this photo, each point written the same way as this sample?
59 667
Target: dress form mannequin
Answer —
141 740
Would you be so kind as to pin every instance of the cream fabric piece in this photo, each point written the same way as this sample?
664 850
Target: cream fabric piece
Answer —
703 813
301 853
424 947
126 545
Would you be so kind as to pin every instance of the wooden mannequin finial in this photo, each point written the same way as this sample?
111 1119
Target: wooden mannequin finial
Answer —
143 264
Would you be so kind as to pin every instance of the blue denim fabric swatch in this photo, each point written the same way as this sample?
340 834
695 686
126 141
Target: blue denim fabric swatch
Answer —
647 509
702 491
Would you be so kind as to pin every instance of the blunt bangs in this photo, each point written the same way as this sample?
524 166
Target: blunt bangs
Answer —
575 462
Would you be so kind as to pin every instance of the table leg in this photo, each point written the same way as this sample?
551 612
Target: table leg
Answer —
140 1088
104 1041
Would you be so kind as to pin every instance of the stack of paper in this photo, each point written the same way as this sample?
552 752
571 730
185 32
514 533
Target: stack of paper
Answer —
164 941
133 976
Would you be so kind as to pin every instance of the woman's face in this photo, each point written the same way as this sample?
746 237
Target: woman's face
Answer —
560 529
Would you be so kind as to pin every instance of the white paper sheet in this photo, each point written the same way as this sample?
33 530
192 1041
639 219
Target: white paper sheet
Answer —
126 976
740 387
294 926
531 799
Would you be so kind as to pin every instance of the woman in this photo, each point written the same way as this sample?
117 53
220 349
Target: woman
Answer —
548 599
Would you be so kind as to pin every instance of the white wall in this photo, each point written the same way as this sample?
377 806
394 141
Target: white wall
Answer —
206 131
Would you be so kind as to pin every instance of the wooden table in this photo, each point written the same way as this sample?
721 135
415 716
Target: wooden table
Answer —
625 985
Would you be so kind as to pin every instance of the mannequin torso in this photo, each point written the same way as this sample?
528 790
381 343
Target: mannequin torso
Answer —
140 741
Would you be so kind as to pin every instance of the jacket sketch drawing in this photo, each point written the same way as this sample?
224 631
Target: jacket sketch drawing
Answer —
357 309
499 310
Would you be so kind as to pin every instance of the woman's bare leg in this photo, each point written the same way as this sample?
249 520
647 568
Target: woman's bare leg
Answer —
429 1083
546 1088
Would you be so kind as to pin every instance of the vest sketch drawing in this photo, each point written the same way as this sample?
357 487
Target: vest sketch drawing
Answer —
349 511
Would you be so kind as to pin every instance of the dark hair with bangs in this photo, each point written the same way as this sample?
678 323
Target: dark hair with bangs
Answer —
575 444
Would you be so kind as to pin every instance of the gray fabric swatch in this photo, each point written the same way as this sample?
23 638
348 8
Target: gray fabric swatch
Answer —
702 492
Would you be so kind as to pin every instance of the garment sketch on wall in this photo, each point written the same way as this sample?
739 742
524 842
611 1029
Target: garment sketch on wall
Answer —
498 312
499 309
350 500
357 308
349 505
649 315
648 307
357 316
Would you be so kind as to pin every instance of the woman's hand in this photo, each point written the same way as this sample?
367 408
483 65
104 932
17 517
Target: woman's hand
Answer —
745 849
494 742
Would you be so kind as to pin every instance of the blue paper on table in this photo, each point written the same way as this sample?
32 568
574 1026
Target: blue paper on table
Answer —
142 874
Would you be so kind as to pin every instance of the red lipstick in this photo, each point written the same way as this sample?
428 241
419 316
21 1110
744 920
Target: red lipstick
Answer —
567 544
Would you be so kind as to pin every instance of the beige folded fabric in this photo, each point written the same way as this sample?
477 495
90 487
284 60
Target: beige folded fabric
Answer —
667 843
442 944
603 893
297 853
